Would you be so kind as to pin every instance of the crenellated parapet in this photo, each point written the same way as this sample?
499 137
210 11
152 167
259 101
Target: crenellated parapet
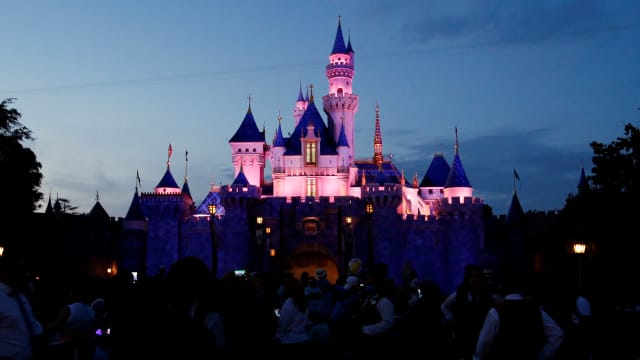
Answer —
387 195
343 102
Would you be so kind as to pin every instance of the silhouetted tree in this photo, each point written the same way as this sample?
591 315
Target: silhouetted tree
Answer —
606 216
20 177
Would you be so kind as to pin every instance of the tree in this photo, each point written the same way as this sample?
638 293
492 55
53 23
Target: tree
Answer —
19 168
605 217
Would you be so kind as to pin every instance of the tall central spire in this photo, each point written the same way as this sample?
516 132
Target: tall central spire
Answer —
377 141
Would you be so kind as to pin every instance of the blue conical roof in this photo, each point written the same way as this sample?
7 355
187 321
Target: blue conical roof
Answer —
241 179
311 115
185 188
167 180
300 96
135 212
248 130
278 141
349 48
457 176
437 173
338 43
342 138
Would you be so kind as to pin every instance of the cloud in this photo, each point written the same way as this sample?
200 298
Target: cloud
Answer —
548 173
510 22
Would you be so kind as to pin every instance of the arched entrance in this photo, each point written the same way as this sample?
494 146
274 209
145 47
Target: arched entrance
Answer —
311 257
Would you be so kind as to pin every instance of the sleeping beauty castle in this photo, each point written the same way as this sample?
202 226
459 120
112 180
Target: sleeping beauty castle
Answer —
321 206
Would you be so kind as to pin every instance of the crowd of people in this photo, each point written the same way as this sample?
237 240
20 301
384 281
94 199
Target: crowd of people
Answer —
188 313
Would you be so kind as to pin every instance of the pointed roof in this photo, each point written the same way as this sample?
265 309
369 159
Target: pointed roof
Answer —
516 213
98 212
583 183
437 173
49 209
185 188
311 116
338 43
241 179
248 130
300 96
457 176
57 206
135 212
342 138
349 48
168 180
278 140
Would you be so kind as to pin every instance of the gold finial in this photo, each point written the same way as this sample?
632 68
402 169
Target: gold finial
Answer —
311 96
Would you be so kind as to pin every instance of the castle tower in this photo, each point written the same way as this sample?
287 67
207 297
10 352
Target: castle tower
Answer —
377 141
278 148
341 102
457 185
248 150
301 106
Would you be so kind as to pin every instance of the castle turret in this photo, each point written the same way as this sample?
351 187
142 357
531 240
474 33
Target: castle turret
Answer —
248 150
435 178
340 102
457 185
132 253
343 149
301 106
277 149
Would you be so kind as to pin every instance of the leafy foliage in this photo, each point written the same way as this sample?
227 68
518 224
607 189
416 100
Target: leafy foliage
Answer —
19 168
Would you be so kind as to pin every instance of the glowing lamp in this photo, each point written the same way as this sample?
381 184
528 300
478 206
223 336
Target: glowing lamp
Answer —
1 250
579 248
259 220
268 230
348 219
272 252
109 270
212 209
369 208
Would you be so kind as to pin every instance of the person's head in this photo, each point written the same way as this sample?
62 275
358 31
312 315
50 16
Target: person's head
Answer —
473 277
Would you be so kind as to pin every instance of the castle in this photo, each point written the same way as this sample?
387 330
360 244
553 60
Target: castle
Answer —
321 207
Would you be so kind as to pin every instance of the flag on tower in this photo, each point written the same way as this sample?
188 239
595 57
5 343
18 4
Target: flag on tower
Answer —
515 175
138 177
170 150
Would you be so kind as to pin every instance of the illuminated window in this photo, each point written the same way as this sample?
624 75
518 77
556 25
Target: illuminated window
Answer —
311 187
311 153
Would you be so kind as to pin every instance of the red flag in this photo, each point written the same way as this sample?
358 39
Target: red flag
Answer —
170 150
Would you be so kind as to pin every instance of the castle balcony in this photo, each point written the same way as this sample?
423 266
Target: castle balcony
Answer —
308 171
340 65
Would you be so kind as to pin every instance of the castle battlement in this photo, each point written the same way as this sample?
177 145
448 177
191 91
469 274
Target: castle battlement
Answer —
340 102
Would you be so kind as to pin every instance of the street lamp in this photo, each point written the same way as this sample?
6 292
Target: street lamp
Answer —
214 242
369 210
348 248
259 238
579 248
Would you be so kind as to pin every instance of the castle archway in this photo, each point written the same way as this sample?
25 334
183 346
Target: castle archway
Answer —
310 257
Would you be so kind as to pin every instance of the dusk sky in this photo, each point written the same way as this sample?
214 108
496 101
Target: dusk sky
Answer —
106 86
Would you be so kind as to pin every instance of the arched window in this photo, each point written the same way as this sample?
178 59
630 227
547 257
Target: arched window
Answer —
339 91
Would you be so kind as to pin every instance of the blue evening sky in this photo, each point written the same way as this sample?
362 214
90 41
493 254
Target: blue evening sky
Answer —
105 86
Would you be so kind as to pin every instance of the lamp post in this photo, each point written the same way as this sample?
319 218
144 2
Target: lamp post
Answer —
214 242
348 236
370 255
267 249
259 240
579 248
